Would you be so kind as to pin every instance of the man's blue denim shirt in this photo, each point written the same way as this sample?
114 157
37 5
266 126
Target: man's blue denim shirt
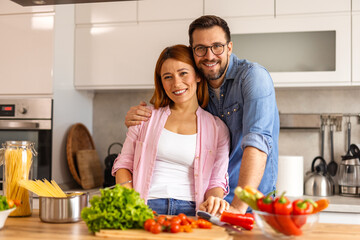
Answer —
247 105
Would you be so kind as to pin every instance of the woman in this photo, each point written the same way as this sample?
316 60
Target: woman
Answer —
178 159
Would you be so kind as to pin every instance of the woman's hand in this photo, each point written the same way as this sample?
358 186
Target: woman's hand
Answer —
214 205
137 114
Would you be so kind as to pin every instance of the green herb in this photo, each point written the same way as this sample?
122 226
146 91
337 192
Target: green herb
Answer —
117 208
3 203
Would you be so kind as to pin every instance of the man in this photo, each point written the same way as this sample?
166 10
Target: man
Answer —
243 96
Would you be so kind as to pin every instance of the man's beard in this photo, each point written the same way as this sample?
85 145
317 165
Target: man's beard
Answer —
214 76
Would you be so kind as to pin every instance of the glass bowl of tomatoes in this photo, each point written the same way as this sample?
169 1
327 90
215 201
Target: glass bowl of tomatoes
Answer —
277 226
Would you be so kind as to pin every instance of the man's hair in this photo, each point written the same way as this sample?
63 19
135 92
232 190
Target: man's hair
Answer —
206 22
183 54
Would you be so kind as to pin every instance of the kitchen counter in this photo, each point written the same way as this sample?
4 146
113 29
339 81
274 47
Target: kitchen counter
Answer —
32 228
340 203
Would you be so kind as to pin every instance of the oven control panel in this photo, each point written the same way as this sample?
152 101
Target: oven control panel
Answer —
7 110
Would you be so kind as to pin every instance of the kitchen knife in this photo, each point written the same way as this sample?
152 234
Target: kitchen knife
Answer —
215 220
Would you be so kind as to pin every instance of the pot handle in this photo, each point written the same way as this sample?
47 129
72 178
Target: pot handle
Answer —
115 143
322 162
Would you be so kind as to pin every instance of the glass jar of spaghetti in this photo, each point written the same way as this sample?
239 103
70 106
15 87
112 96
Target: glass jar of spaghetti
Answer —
18 159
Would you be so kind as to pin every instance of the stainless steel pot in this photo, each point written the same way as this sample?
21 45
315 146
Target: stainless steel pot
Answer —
63 210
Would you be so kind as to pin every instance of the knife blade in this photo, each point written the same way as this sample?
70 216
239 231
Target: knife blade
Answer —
215 220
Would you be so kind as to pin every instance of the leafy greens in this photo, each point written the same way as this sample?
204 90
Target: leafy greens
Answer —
117 208
3 203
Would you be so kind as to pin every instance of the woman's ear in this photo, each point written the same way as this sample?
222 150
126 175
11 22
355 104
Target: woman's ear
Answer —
198 78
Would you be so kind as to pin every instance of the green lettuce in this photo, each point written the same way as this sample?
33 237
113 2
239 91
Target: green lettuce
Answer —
3 203
117 208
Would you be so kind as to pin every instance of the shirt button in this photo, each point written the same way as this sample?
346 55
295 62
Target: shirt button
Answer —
222 115
228 113
222 95
235 109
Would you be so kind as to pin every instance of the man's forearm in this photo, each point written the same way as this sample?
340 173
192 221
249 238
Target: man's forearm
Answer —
251 172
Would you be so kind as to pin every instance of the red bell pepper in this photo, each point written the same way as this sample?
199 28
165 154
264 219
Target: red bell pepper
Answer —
301 208
266 204
245 221
283 208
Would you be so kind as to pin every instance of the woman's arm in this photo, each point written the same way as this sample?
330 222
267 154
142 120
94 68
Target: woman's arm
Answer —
124 175
214 202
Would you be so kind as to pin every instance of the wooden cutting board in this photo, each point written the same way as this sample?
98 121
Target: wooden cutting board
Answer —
215 233
90 169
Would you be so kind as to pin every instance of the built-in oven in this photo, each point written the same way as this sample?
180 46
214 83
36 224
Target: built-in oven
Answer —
29 120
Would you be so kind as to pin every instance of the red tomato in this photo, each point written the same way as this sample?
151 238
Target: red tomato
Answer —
161 219
156 228
148 223
182 217
175 228
202 223
175 220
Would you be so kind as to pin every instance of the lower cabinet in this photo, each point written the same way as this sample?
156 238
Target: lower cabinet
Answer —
123 56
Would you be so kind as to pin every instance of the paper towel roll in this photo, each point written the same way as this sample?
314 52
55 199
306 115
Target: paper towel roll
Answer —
290 176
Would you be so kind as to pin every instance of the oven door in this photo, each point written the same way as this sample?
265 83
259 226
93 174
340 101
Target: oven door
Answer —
37 131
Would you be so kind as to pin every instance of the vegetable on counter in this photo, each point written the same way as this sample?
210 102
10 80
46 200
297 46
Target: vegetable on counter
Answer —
283 215
117 208
245 221
175 224
6 204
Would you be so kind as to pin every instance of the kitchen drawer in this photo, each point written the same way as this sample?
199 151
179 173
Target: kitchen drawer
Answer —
115 56
285 7
160 10
239 8
108 12
9 7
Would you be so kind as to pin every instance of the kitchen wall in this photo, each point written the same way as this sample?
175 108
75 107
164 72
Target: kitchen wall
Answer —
110 109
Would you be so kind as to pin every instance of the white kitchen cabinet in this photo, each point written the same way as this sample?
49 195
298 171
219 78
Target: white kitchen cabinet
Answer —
123 56
107 12
286 7
160 10
9 7
356 5
26 59
356 48
336 26
239 8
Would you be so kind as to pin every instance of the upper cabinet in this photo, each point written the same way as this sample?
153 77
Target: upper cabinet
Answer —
298 51
356 42
123 56
165 10
26 47
239 8
108 12
289 7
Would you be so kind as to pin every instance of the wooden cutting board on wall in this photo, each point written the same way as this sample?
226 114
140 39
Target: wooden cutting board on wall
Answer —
215 233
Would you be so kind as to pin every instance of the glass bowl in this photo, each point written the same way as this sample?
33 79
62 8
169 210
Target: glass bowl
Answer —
285 226
4 215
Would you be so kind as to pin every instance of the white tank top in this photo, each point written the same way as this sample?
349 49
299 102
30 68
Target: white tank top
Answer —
173 175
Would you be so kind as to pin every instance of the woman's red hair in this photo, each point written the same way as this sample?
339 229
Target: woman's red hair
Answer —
184 54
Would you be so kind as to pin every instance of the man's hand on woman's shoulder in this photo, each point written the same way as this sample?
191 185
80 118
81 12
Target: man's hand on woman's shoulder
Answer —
137 114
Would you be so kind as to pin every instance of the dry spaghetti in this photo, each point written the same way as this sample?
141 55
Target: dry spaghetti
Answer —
17 167
43 188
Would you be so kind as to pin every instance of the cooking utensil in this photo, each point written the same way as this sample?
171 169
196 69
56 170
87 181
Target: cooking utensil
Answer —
62 210
322 138
215 220
319 183
333 166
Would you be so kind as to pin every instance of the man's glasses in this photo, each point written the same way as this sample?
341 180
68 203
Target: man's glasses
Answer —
216 49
